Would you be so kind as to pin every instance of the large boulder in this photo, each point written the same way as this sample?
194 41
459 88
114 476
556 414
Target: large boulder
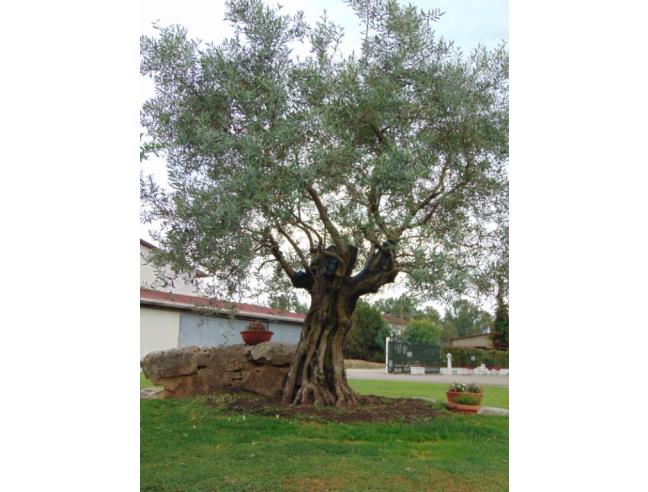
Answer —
190 371
273 353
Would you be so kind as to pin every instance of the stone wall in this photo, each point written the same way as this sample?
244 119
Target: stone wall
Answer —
190 371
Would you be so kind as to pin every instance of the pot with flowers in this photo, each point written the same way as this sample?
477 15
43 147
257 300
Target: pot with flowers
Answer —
464 398
256 332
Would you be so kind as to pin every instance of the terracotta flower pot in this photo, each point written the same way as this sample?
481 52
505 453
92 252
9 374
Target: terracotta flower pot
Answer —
459 407
252 337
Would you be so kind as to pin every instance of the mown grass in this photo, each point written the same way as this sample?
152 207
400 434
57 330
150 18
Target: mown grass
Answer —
144 383
189 446
493 396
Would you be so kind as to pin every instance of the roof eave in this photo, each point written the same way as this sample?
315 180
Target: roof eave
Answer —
196 307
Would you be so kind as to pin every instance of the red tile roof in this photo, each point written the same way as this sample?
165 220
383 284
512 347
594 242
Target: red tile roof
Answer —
240 308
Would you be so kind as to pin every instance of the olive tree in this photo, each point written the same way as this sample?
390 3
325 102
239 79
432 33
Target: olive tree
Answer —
341 171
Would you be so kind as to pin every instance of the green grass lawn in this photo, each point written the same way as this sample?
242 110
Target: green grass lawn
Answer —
189 446
144 383
493 396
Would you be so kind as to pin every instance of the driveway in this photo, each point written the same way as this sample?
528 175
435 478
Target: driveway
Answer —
381 375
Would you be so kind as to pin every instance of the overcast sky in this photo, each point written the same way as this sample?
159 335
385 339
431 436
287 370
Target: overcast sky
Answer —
466 22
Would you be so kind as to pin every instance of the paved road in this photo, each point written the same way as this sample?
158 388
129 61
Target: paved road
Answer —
381 375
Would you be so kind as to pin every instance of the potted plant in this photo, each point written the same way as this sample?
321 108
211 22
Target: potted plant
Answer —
464 398
256 332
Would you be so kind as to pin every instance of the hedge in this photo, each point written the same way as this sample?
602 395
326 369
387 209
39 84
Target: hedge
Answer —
461 357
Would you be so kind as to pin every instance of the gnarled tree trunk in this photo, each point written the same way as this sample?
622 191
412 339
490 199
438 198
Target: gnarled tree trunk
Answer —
317 373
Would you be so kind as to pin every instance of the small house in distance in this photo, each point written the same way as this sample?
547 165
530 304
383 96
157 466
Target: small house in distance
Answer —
396 324
480 340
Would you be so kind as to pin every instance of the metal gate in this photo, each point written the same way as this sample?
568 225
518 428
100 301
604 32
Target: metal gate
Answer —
402 356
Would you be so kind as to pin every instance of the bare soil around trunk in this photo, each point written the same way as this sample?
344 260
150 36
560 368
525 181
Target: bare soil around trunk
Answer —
370 409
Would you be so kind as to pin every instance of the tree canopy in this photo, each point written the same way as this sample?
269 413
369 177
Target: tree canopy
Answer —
425 330
403 305
340 171
399 150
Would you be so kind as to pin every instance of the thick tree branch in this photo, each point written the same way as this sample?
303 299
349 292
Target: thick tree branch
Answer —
330 227
302 280
379 133
307 228
295 246
276 252
379 270
373 212
311 244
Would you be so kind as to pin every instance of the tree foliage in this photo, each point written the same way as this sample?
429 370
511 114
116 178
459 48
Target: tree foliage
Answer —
340 171
465 318
281 296
404 306
275 157
366 339
423 330
287 302
500 334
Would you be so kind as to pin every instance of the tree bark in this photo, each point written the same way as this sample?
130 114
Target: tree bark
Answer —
317 374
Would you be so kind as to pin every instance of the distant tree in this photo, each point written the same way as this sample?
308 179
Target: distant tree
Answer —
448 331
288 302
500 334
431 313
464 318
423 330
404 306
366 337
345 171
384 332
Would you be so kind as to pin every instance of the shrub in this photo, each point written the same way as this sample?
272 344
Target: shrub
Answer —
461 357
377 357
467 400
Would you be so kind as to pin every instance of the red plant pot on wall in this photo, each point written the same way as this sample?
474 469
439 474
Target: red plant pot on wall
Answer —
460 407
252 337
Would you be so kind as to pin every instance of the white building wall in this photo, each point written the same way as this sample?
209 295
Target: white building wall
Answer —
214 331
159 329
152 278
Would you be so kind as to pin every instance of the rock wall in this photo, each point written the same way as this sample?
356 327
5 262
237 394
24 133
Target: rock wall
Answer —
189 371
